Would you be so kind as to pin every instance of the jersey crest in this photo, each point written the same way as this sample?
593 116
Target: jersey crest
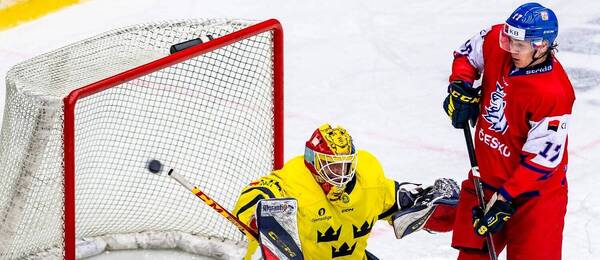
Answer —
494 112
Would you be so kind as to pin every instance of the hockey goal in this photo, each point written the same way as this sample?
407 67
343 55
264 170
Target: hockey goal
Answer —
82 123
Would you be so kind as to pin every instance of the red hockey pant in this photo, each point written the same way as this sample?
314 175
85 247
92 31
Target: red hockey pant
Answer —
533 232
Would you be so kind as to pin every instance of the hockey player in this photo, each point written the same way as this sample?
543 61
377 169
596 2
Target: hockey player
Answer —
522 111
341 193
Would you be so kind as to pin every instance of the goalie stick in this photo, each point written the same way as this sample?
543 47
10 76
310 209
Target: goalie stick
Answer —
275 241
478 187
214 205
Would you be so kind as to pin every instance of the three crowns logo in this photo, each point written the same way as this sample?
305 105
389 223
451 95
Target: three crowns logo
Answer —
329 235
363 230
344 250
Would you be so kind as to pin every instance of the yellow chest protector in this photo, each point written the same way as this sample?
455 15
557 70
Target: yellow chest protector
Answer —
327 229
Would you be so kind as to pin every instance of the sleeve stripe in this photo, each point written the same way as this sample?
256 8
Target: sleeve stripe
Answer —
505 194
394 208
249 205
528 194
262 189
535 169
488 187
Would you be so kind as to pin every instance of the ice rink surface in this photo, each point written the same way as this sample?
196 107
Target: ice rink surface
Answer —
380 69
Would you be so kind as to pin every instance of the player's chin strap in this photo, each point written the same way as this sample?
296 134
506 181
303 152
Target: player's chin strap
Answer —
435 201
534 59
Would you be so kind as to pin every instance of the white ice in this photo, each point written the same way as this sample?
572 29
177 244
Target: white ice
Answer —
380 69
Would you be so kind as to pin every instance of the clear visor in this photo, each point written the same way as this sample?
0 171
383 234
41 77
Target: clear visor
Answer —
514 45
337 170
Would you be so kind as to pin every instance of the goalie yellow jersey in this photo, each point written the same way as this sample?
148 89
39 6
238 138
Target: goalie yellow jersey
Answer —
327 229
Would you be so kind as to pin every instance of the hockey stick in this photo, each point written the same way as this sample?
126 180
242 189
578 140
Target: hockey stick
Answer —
478 187
283 243
214 205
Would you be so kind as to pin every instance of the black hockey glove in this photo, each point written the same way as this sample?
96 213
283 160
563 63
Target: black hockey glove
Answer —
494 218
462 103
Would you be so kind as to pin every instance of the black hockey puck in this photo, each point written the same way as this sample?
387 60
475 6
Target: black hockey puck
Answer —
154 166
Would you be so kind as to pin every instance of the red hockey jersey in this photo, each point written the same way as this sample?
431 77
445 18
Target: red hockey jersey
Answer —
521 132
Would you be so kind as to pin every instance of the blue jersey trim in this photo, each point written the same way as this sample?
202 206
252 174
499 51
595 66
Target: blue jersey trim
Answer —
487 186
505 194
528 194
535 169
249 205
543 67
263 190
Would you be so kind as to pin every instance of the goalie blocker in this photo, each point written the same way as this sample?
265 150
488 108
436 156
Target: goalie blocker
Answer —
277 224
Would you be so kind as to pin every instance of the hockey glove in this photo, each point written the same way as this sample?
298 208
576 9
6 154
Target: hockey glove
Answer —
462 103
408 193
497 214
424 203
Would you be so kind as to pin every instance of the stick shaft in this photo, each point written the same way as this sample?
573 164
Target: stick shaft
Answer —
478 187
214 205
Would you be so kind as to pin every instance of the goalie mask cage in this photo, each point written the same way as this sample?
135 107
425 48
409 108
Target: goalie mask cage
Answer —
81 124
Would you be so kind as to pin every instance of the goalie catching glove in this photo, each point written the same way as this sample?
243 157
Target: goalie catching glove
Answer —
430 208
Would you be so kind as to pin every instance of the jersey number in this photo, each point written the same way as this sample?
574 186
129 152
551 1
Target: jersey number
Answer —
467 48
553 152
517 16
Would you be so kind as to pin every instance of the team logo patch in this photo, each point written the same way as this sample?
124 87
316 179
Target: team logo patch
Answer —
553 125
494 112
345 198
329 235
362 230
344 250
544 15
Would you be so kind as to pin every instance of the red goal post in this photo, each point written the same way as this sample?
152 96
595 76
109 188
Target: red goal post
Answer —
239 70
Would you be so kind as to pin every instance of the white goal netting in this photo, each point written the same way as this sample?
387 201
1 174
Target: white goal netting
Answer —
210 118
